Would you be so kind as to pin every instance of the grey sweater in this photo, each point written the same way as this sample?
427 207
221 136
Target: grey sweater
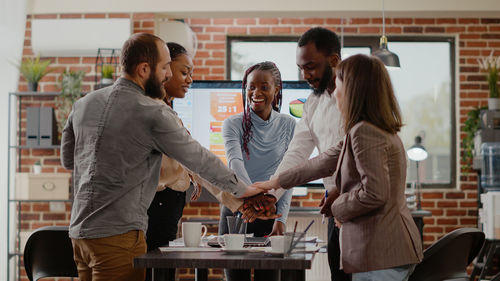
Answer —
268 145
114 139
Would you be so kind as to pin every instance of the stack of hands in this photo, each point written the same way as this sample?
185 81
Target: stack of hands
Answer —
260 205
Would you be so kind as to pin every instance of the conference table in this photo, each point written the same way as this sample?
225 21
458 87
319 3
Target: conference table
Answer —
290 268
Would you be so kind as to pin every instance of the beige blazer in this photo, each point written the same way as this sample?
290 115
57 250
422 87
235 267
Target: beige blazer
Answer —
176 176
369 167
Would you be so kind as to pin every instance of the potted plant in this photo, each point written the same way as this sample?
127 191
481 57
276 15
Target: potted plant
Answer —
71 90
37 167
107 71
492 66
471 125
33 70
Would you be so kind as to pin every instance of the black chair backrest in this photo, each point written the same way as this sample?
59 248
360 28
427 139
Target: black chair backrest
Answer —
496 277
49 253
448 257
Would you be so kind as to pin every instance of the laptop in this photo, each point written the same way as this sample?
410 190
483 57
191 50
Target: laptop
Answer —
249 242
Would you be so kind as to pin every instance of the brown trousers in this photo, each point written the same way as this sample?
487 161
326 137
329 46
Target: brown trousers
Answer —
110 258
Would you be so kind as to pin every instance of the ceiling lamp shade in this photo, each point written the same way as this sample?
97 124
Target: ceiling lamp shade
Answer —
387 57
179 32
417 152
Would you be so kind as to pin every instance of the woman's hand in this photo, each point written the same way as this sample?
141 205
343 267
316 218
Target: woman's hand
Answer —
261 202
161 187
337 223
196 191
251 191
268 185
326 203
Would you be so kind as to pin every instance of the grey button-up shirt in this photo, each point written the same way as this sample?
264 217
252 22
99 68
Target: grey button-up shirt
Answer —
114 139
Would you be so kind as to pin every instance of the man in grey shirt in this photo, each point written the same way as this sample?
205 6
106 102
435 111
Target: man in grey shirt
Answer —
114 139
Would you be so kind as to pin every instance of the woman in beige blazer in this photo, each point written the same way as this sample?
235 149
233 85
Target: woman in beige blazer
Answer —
379 240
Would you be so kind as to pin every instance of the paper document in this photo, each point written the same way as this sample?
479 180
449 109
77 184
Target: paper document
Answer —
188 249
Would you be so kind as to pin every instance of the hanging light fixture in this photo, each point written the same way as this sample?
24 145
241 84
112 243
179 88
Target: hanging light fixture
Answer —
389 58
342 55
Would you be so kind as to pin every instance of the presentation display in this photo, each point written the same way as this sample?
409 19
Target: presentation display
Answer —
208 103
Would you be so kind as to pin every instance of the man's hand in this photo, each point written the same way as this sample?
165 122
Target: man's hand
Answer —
260 206
273 183
278 228
196 191
326 204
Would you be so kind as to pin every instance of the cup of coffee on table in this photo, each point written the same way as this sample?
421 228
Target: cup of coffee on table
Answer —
232 241
192 233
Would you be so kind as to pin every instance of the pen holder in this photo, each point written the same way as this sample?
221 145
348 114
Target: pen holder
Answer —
298 244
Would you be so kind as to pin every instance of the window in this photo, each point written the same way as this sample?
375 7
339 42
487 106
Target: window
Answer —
245 52
424 86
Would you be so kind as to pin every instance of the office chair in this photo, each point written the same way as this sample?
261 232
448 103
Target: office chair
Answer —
49 253
496 277
448 257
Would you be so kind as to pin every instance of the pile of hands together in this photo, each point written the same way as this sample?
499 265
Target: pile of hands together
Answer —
262 205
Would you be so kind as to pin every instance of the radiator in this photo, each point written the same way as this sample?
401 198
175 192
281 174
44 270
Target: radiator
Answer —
320 271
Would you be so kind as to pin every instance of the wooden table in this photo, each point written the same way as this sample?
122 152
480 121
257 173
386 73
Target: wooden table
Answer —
291 269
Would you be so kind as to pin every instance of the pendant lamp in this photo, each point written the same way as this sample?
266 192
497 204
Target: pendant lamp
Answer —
389 58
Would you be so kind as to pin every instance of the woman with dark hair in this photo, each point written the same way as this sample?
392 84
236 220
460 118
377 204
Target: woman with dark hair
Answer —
379 239
255 142
168 204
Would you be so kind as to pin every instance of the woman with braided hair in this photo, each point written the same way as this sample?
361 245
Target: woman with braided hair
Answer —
255 142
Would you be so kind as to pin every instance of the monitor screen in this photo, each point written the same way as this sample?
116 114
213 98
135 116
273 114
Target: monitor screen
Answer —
208 103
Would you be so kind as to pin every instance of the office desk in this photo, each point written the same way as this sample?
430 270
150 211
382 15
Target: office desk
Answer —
418 218
291 269
418 215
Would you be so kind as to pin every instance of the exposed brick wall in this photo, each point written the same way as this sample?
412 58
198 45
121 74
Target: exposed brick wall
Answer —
451 208
36 215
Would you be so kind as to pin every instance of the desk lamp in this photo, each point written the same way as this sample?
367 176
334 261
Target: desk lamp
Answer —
417 153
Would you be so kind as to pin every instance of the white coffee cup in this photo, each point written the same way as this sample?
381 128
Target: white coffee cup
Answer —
280 244
232 241
191 233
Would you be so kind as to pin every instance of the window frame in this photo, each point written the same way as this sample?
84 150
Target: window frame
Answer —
231 39
373 43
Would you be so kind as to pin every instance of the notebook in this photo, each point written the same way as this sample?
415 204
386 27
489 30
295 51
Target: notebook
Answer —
249 242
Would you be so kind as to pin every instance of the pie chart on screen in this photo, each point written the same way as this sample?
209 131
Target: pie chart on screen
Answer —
297 107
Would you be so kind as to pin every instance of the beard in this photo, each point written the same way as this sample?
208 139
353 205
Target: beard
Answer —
326 79
154 88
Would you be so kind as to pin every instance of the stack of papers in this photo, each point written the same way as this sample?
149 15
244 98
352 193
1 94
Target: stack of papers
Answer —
189 249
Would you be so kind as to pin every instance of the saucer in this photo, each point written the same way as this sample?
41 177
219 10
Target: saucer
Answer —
236 251
274 253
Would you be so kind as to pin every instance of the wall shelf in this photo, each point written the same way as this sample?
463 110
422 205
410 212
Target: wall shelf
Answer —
54 146
17 101
39 200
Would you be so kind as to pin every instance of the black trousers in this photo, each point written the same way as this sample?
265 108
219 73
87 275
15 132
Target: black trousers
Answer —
334 253
163 216
259 228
